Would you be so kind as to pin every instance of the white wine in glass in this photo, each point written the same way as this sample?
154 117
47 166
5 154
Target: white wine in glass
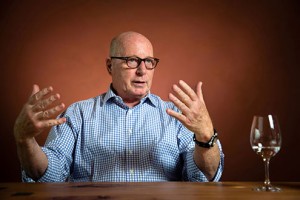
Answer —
265 140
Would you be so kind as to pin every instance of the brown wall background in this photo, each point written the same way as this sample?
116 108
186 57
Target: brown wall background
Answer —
245 52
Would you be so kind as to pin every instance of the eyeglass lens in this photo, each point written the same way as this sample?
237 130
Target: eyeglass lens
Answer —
135 62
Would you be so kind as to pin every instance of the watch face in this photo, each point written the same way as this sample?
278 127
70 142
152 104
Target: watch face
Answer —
213 140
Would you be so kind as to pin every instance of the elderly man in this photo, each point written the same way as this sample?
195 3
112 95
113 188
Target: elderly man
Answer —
125 134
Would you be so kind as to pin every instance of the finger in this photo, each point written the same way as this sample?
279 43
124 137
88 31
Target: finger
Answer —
51 122
43 104
180 105
51 112
188 90
39 95
56 110
176 115
181 95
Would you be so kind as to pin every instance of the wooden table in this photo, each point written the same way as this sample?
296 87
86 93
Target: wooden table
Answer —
146 190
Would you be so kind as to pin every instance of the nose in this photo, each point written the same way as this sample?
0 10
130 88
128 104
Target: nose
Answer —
141 69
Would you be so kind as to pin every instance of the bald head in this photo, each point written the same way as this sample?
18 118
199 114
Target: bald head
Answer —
119 43
131 84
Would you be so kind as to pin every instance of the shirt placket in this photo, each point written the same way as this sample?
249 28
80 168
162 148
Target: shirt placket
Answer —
130 173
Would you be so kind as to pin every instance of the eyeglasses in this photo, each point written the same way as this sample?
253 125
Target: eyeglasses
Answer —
134 62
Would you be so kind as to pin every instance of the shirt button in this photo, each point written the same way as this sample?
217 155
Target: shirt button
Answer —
130 152
130 131
131 172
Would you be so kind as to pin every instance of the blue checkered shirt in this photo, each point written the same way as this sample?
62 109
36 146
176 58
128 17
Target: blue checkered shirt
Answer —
105 140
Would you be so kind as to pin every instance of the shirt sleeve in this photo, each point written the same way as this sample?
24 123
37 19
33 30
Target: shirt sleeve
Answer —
56 171
194 174
58 149
191 172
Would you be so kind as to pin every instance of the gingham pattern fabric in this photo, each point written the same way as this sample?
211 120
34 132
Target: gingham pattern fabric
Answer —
104 140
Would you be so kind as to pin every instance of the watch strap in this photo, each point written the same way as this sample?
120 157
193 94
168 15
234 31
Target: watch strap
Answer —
208 144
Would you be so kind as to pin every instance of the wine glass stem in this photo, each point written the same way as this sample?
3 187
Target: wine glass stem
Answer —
267 178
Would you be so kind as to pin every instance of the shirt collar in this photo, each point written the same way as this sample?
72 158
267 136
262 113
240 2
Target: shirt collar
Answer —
111 96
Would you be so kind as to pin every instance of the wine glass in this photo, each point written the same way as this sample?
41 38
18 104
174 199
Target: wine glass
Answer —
265 139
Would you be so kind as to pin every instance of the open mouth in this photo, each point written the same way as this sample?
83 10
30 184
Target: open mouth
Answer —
139 83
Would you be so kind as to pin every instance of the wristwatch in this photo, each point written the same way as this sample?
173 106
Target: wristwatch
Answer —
208 144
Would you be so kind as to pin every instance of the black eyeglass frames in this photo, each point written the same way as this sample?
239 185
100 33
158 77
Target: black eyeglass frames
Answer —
134 62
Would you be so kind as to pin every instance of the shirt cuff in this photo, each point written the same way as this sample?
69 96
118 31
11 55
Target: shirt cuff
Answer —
194 174
50 174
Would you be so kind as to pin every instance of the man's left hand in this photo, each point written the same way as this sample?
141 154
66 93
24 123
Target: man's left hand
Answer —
193 112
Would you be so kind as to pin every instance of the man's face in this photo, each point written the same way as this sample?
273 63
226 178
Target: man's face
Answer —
132 84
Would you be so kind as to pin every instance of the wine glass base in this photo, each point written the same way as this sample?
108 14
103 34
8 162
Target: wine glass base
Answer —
266 189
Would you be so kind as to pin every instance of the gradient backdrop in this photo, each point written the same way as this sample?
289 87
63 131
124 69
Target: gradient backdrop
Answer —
245 52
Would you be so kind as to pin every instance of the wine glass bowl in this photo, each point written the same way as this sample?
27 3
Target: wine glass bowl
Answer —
265 140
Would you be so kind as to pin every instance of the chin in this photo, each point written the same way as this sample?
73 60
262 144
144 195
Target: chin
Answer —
141 94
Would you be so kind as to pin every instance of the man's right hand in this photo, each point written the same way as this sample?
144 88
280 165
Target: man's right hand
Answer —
38 114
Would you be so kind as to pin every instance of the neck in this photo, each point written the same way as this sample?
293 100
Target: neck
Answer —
132 104
129 101
132 101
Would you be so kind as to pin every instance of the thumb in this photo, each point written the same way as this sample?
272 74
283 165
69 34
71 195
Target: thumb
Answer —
35 89
199 90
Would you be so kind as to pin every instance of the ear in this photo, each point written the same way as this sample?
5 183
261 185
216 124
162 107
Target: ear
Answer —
108 65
